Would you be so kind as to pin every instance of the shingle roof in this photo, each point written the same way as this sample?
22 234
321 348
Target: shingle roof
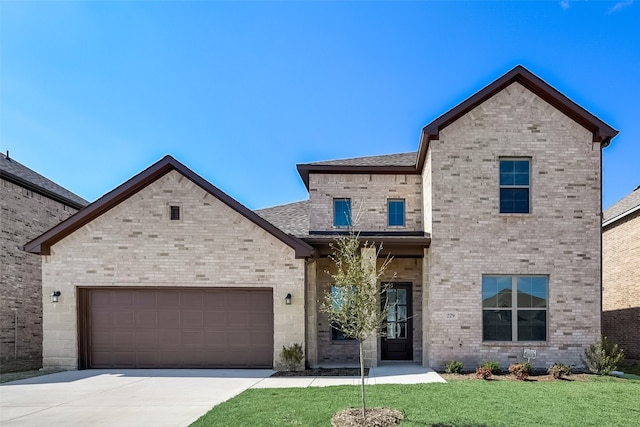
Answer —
401 159
42 244
292 218
628 204
602 132
22 175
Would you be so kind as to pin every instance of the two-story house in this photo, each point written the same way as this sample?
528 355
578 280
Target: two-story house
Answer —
621 274
30 204
493 225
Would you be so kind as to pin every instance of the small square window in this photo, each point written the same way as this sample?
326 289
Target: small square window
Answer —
515 186
342 212
395 210
175 213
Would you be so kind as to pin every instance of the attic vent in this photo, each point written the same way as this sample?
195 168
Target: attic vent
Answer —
174 213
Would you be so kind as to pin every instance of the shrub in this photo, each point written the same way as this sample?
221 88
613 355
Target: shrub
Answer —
520 370
483 372
292 356
601 357
493 366
558 370
453 367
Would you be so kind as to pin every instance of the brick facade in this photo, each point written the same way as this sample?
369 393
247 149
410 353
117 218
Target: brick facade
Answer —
369 194
457 199
135 244
25 214
470 238
453 236
621 284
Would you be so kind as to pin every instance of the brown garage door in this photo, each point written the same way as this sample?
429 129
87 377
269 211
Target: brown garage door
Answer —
176 328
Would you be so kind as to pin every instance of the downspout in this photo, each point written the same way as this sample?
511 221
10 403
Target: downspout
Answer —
15 339
601 242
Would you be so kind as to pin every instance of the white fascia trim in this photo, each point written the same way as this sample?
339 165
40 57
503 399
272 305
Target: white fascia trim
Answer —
622 215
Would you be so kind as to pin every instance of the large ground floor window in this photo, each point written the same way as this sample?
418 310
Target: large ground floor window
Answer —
514 308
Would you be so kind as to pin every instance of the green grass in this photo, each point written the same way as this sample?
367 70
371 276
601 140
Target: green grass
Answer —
601 401
14 376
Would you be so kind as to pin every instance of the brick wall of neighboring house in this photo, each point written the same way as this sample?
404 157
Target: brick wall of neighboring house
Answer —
407 270
24 215
136 244
369 194
621 284
470 238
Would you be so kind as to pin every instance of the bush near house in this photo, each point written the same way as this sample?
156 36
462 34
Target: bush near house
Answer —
292 356
601 357
453 367
483 372
521 370
494 367
559 370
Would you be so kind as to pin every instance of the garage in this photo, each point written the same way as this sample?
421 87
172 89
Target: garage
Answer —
175 328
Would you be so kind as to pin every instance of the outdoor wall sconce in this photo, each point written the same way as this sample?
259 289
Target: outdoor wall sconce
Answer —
287 299
55 295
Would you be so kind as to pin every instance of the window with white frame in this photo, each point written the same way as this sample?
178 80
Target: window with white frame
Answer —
342 212
395 212
515 185
514 308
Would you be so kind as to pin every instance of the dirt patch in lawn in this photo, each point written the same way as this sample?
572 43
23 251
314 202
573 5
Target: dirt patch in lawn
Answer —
323 372
375 417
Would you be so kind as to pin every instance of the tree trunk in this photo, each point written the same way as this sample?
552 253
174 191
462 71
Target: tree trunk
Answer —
364 406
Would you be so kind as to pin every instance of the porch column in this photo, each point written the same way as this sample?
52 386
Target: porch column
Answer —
370 345
311 287
426 308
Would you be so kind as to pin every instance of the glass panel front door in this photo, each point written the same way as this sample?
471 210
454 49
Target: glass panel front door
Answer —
397 343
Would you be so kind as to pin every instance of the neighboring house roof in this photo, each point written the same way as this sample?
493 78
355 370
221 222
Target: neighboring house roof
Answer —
409 163
403 163
292 218
602 132
19 174
626 206
41 244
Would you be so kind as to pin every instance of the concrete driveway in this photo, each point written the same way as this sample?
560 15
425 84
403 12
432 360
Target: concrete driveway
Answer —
131 397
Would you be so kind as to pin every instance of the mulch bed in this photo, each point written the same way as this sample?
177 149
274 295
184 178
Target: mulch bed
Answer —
375 417
323 372
509 377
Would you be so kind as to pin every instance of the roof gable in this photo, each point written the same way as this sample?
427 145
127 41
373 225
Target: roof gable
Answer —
19 174
602 132
42 244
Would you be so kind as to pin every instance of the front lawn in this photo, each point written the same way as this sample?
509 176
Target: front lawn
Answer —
598 402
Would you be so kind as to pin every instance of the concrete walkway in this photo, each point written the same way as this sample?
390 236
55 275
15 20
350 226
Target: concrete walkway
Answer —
156 397
401 373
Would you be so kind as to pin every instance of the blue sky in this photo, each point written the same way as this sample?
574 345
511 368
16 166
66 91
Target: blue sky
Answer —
91 93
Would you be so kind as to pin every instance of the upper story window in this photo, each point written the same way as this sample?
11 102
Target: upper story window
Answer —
342 212
395 209
515 185
514 308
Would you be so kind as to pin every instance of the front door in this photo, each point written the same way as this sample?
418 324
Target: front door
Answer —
397 343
